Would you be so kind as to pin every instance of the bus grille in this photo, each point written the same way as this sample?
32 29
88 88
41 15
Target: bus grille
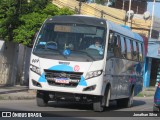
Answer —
73 77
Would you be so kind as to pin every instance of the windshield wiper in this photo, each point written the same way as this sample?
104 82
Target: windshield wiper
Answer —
84 53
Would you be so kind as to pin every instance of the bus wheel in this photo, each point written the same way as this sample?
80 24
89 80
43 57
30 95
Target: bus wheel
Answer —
42 98
126 102
101 102
97 105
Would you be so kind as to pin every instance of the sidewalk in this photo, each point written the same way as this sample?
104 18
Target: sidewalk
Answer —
23 92
147 92
16 93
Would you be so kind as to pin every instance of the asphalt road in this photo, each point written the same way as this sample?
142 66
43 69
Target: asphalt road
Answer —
140 104
81 110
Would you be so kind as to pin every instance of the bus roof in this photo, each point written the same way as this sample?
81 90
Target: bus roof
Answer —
124 31
78 20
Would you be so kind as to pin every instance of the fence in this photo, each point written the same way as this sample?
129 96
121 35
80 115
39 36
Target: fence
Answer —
23 65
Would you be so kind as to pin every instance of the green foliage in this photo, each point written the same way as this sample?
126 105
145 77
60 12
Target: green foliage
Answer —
51 10
8 18
20 19
65 11
31 23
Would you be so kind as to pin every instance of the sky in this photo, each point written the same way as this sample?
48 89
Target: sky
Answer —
156 9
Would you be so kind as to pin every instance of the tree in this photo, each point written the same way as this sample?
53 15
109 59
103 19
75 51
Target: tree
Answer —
9 18
24 17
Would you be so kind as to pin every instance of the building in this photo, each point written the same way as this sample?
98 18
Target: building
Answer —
138 6
152 64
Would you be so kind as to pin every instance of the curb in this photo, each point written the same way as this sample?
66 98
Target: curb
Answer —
18 95
6 97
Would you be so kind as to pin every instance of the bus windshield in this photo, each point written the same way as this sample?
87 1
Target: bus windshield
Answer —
84 42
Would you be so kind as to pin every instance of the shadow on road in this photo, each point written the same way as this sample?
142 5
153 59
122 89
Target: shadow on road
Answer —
82 110
89 107
138 103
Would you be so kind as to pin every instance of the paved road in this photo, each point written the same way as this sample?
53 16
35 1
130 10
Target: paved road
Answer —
140 104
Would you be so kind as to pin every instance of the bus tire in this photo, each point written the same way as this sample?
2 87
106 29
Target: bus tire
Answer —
97 105
126 102
101 102
42 98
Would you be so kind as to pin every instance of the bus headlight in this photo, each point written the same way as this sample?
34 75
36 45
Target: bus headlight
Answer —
93 74
35 69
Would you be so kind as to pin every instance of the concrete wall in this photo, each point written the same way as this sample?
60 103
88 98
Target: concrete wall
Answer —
8 62
14 63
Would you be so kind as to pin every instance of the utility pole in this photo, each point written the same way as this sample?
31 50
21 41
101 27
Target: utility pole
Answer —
123 5
129 13
80 5
152 19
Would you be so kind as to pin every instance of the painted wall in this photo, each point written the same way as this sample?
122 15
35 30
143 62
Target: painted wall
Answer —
147 72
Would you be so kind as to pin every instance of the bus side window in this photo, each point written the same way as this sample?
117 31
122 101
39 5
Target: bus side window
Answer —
123 47
110 53
116 46
129 54
134 52
140 52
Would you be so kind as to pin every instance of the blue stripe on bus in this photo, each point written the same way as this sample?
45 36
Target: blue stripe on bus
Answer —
82 81
42 78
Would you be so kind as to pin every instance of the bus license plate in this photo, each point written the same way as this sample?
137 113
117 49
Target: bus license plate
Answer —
62 80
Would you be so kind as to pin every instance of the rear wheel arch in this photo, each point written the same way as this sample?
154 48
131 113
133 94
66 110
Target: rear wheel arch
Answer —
102 101
107 86
107 94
